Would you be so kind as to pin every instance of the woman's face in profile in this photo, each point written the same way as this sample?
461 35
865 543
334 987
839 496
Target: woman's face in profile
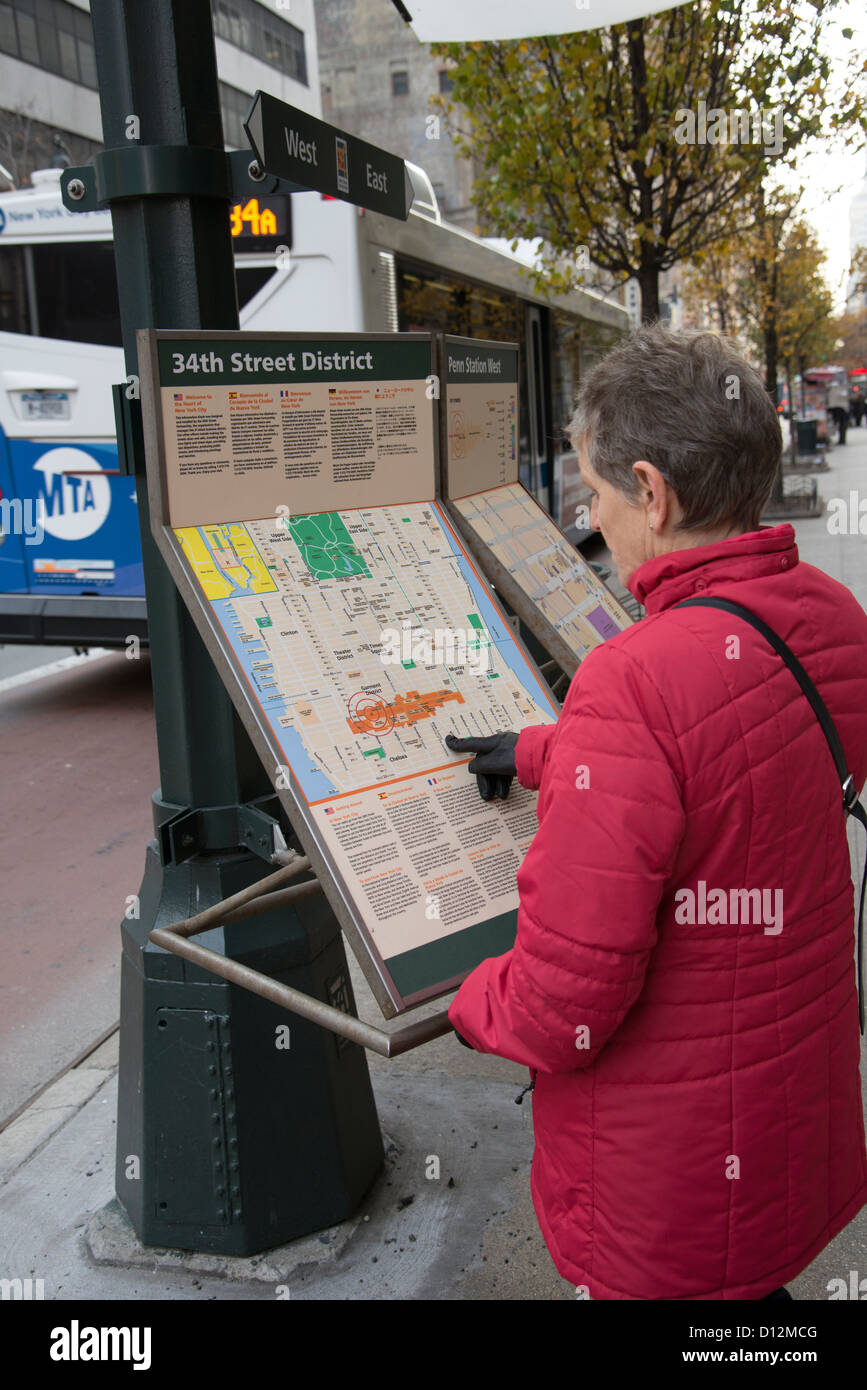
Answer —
622 523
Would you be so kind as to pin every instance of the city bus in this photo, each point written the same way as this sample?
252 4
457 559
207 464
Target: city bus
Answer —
70 556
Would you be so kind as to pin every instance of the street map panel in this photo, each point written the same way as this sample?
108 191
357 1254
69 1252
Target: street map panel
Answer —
366 636
540 560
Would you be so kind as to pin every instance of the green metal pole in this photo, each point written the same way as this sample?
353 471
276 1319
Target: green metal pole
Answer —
234 1133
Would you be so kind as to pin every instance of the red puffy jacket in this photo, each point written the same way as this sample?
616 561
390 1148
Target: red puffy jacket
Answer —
697 1107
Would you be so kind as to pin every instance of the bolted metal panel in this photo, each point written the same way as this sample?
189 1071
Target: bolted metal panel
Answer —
195 1183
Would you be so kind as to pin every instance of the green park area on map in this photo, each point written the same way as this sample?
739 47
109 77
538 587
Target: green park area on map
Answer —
326 546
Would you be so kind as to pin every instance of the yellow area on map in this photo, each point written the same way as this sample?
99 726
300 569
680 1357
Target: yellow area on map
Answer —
225 560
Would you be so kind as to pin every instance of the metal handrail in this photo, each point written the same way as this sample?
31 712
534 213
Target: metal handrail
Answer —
252 901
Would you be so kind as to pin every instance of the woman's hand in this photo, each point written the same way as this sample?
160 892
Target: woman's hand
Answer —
495 764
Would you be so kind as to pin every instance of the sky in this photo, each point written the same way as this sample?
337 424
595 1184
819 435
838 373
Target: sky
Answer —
822 172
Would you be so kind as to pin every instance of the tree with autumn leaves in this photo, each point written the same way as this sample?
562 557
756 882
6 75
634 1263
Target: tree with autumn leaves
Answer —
768 285
610 144
769 289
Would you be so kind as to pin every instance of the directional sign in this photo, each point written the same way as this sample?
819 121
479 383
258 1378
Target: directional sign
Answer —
294 145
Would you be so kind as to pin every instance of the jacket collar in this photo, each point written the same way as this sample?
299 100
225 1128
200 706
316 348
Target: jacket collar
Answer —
665 580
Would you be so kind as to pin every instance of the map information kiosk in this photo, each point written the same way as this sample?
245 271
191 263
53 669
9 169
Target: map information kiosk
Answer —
521 550
293 495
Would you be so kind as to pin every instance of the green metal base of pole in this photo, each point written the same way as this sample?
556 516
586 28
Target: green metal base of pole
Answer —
240 1126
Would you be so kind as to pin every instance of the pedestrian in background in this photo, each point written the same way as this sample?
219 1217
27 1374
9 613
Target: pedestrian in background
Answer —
837 397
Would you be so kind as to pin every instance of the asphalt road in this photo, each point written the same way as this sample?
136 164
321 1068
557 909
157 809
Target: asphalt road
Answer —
79 768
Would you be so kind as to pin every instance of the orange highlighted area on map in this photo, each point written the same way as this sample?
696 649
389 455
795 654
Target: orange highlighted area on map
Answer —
369 715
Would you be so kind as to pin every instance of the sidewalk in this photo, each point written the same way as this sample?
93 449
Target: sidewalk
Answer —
412 1238
470 1235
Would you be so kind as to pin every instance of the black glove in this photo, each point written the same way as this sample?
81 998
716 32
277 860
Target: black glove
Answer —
463 1040
495 765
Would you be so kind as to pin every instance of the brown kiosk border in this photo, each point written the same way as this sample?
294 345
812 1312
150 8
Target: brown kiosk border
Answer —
316 858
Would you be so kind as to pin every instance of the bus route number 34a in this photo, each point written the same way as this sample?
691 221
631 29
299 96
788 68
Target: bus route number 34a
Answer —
250 219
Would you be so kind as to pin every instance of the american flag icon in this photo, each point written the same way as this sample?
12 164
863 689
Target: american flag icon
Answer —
329 810
179 395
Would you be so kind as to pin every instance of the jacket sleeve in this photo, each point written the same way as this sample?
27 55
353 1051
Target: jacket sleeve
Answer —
531 753
610 824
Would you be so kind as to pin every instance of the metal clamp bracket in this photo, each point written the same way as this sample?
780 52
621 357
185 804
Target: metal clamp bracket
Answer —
264 896
167 171
129 427
209 829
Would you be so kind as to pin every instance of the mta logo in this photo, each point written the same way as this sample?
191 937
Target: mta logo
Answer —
75 494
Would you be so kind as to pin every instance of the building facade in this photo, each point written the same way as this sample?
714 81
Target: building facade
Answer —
49 105
380 83
855 298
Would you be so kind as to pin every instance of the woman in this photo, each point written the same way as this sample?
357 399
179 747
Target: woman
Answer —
694 1046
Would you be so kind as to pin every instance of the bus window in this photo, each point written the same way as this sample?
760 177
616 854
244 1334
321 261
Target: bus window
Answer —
576 347
250 279
524 447
537 384
14 302
76 292
429 298
429 301
565 379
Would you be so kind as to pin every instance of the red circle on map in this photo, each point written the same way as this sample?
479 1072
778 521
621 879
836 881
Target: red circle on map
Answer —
372 711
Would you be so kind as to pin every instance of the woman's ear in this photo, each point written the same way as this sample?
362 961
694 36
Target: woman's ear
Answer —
653 493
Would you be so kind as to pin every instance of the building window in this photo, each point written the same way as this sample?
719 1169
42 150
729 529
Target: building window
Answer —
400 83
446 80
58 37
234 106
253 28
52 35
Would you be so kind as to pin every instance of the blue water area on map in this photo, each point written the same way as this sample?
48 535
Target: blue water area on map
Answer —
314 783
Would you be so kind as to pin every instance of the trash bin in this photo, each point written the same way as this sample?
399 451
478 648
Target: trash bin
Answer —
807 436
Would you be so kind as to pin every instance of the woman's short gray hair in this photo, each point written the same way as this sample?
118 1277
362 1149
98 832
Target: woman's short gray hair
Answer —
690 404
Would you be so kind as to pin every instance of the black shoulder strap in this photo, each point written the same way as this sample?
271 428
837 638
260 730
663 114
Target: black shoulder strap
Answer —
851 804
